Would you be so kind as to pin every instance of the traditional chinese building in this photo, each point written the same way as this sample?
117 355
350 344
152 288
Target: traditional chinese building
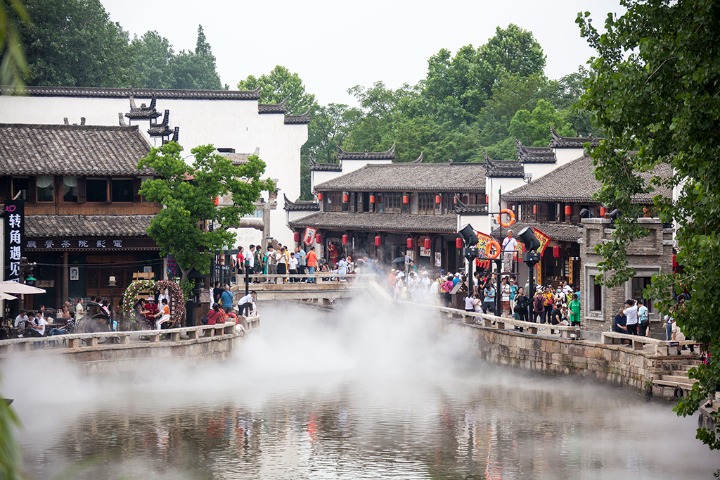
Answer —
553 203
387 210
84 219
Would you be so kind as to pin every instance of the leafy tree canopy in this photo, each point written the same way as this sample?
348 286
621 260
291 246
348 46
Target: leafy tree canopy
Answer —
654 89
282 85
187 193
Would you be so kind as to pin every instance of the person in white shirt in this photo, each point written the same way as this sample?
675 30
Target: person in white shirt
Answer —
509 246
20 322
37 328
79 310
246 304
631 312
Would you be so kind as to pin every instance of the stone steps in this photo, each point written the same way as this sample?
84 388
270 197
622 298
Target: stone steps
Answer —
678 378
670 383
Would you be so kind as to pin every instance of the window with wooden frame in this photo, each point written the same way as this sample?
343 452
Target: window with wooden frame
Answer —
392 202
70 189
426 203
45 188
122 190
96 190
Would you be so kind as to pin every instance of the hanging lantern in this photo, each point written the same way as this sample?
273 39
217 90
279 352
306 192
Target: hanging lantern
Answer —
378 240
438 199
427 244
602 211
454 200
535 209
344 239
556 251
319 195
318 238
216 201
296 236
646 212
487 199
346 198
372 198
406 199
568 210
409 243
458 243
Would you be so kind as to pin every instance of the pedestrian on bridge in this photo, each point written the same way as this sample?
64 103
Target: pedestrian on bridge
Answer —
247 304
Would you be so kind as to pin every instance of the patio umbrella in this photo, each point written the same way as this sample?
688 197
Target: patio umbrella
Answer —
8 286
399 260
7 296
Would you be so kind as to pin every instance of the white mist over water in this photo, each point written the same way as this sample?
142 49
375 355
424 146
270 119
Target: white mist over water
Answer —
371 387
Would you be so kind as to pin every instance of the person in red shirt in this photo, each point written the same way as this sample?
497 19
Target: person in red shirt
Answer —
151 310
311 261
216 315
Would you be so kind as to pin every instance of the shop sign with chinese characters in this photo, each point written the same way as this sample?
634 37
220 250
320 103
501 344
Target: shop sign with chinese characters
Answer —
14 223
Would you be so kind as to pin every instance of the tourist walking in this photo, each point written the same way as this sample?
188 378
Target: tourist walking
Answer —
311 260
574 308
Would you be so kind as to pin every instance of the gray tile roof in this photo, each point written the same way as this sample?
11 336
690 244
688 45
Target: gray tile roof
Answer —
504 168
143 112
71 150
325 167
402 177
386 155
565 232
99 92
575 182
37 226
303 119
534 154
161 129
300 205
379 222
273 107
571 142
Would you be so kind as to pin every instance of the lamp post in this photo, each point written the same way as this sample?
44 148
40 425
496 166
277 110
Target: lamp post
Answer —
531 257
470 252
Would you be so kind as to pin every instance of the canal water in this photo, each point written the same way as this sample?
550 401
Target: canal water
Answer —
364 392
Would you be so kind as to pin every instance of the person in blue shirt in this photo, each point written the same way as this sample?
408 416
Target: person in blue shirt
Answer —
226 299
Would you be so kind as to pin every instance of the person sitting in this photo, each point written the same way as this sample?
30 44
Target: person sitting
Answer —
163 316
216 315
36 327
20 322
151 310
619 322
68 328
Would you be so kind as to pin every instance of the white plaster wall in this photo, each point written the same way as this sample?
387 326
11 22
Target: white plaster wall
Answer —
567 155
222 123
352 164
318 177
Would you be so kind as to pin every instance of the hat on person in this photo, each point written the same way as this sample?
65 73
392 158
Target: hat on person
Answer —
151 298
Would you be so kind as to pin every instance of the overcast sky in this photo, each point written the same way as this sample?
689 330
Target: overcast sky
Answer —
334 44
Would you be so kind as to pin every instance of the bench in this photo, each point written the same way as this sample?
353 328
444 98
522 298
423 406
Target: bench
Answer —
637 342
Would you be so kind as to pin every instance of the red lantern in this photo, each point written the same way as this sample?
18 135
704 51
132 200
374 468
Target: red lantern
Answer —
454 200
372 198
319 196
487 199
344 239
216 201
296 236
427 244
458 243
406 199
346 197
409 243
556 251
378 240
438 199
534 209
602 211
318 238
568 210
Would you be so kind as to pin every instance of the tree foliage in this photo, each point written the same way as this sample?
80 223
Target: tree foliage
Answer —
195 70
187 193
13 65
654 89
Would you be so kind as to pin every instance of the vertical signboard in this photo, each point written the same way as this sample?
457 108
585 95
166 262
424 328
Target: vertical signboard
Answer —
14 223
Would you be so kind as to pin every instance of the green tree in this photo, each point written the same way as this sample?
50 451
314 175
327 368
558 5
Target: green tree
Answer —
654 89
533 128
74 43
515 51
152 57
282 85
196 70
189 204
13 65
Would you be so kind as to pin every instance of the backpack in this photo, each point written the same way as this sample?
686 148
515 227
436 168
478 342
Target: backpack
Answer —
539 303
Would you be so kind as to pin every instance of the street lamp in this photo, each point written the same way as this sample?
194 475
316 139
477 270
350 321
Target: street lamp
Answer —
470 252
531 257
112 284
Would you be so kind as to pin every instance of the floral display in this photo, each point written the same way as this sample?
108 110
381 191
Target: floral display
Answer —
177 298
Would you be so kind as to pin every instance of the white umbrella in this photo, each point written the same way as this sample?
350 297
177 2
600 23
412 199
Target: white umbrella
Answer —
8 286
7 296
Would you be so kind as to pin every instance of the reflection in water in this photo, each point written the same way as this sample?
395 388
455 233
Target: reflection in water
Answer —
385 394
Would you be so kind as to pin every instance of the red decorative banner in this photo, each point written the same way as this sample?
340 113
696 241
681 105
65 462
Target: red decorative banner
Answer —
309 236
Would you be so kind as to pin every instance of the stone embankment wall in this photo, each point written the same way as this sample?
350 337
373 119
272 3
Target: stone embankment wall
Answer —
125 358
614 364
